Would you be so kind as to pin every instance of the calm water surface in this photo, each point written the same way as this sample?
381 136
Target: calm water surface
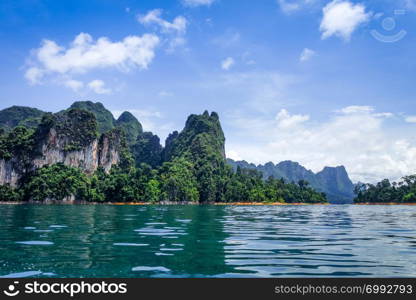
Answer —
207 241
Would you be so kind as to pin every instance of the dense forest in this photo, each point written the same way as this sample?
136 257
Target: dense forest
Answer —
190 168
387 192
333 181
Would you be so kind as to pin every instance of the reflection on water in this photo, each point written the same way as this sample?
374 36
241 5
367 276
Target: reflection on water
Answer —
207 241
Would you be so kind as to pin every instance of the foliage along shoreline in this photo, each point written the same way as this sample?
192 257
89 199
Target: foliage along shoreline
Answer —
77 202
385 192
178 203
191 168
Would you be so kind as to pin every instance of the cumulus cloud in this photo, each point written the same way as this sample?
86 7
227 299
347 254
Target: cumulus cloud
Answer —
306 55
75 85
34 75
174 31
286 120
227 63
85 54
194 3
353 136
98 87
341 18
153 17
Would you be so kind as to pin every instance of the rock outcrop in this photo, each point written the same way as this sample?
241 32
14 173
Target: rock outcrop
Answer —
70 138
201 136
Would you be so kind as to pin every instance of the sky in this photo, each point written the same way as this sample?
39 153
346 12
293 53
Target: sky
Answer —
320 82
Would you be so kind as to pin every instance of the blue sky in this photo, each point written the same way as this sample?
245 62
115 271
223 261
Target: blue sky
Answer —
314 81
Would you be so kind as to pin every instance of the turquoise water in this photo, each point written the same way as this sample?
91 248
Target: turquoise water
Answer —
207 241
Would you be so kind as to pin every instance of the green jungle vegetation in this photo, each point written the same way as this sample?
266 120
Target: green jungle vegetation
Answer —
387 192
191 168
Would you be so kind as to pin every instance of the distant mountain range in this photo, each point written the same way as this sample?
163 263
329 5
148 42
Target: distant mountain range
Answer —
333 181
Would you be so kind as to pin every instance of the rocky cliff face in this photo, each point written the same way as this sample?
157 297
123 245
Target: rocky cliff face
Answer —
336 183
99 153
65 140
9 174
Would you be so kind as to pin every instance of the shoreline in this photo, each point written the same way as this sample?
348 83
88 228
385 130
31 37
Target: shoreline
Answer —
156 204
201 204
381 203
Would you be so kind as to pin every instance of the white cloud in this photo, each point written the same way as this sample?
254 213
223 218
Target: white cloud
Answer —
410 119
34 75
75 85
153 17
341 18
194 3
98 87
174 30
227 63
352 137
290 6
356 109
234 155
306 55
85 54
286 120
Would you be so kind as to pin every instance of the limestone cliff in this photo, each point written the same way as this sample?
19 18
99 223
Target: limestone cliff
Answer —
70 138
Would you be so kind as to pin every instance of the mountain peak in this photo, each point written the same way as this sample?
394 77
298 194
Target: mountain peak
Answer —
20 115
88 103
104 117
131 126
340 170
126 117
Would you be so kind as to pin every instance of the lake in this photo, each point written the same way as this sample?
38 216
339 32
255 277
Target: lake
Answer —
207 241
